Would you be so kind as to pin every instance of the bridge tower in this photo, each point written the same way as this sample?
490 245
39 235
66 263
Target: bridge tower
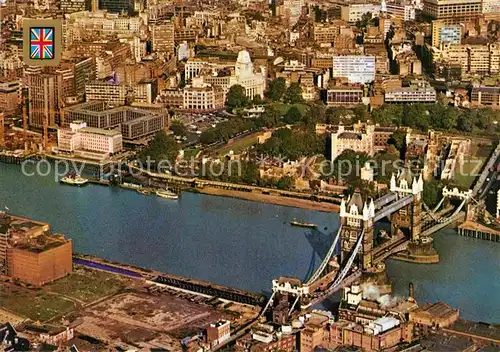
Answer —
356 217
410 216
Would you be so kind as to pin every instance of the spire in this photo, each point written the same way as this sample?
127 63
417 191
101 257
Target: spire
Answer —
393 183
372 208
366 212
342 208
421 183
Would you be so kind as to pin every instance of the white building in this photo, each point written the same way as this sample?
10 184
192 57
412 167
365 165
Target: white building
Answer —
80 138
355 12
359 139
200 96
227 74
401 11
417 92
253 82
357 69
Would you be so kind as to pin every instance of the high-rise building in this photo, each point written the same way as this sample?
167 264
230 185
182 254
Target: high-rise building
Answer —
357 69
117 6
445 33
162 37
45 93
355 12
70 6
9 95
453 11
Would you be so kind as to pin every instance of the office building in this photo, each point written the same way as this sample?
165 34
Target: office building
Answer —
226 74
355 12
117 6
485 96
70 6
9 97
45 96
116 93
417 92
445 33
480 58
453 11
357 69
30 254
344 95
134 123
162 37
402 12
79 137
200 96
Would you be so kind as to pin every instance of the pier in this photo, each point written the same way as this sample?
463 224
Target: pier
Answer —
179 282
475 230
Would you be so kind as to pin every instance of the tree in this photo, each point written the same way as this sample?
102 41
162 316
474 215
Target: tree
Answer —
347 166
286 183
257 100
293 94
333 115
236 97
433 192
163 148
178 128
271 117
360 112
389 114
250 173
398 139
464 123
442 116
276 89
293 115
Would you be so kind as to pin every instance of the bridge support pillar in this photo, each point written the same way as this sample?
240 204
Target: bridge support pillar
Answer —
367 260
356 216
416 217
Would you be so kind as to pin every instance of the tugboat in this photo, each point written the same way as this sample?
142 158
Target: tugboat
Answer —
74 179
167 194
303 224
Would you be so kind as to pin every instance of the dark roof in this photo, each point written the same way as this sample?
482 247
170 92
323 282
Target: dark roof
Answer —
486 89
357 200
349 135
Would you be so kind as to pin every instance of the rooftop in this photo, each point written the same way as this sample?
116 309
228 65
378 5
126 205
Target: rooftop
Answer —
100 131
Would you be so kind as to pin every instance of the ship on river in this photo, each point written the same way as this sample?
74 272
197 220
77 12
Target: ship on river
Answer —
303 224
74 180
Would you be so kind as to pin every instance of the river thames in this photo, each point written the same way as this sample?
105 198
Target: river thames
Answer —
235 242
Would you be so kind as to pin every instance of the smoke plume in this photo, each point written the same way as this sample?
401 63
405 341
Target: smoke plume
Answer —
372 293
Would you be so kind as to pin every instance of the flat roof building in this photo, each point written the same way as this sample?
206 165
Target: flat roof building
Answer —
134 123
357 69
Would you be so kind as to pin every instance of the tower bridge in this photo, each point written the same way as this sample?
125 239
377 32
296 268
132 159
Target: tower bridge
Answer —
358 256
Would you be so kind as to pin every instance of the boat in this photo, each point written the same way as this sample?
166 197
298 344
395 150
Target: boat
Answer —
303 224
74 180
144 191
167 194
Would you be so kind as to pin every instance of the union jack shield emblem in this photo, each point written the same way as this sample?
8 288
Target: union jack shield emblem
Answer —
42 43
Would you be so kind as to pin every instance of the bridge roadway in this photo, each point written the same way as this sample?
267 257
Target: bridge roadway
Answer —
200 183
492 161
388 209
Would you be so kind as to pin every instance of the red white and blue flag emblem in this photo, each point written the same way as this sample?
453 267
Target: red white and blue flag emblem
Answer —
42 43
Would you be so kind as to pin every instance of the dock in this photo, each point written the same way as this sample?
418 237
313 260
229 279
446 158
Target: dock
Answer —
475 230
175 281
